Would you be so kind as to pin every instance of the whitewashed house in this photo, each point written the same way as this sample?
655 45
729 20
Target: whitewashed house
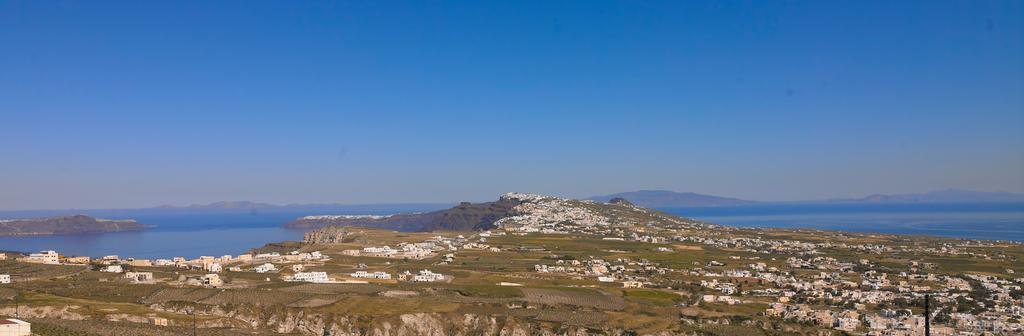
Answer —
315 277
374 275
44 257
428 276
139 277
112 269
265 268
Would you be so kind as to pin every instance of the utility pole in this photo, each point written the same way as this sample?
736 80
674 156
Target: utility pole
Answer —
927 317
193 322
17 306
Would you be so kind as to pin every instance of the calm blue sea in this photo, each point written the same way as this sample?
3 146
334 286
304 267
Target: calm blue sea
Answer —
1000 221
191 234
187 233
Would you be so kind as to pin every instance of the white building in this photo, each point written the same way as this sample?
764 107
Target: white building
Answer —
139 277
632 284
265 268
5 278
44 257
318 277
428 276
271 255
373 251
15 327
112 269
374 275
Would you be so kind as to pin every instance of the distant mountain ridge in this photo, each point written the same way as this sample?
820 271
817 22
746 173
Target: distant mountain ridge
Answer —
669 199
223 205
939 196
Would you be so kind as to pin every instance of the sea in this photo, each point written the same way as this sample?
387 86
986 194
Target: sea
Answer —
185 232
989 221
191 233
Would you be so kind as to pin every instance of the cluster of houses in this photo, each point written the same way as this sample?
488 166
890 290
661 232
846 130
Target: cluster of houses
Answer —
414 251
211 265
848 288
537 213
807 278
423 276
553 215
404 251
633 273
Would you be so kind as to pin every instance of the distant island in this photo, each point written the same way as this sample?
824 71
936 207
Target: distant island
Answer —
939 196
670 199
59 225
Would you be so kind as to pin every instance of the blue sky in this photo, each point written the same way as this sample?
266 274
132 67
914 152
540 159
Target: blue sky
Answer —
128 104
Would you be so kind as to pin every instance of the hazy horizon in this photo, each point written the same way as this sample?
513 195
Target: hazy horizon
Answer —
131 104
453 201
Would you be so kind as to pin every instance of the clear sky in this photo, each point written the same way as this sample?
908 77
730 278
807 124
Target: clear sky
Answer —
140 103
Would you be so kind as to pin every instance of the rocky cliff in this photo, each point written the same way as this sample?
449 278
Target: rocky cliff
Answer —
307 322
326 235
463 217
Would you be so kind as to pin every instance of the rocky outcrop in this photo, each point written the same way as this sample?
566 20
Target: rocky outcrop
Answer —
62 312
463 217
327 235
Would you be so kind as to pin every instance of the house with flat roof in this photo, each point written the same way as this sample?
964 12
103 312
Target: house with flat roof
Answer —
139 277
208 280
315 277
43 257
113 269
265 268
15 327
